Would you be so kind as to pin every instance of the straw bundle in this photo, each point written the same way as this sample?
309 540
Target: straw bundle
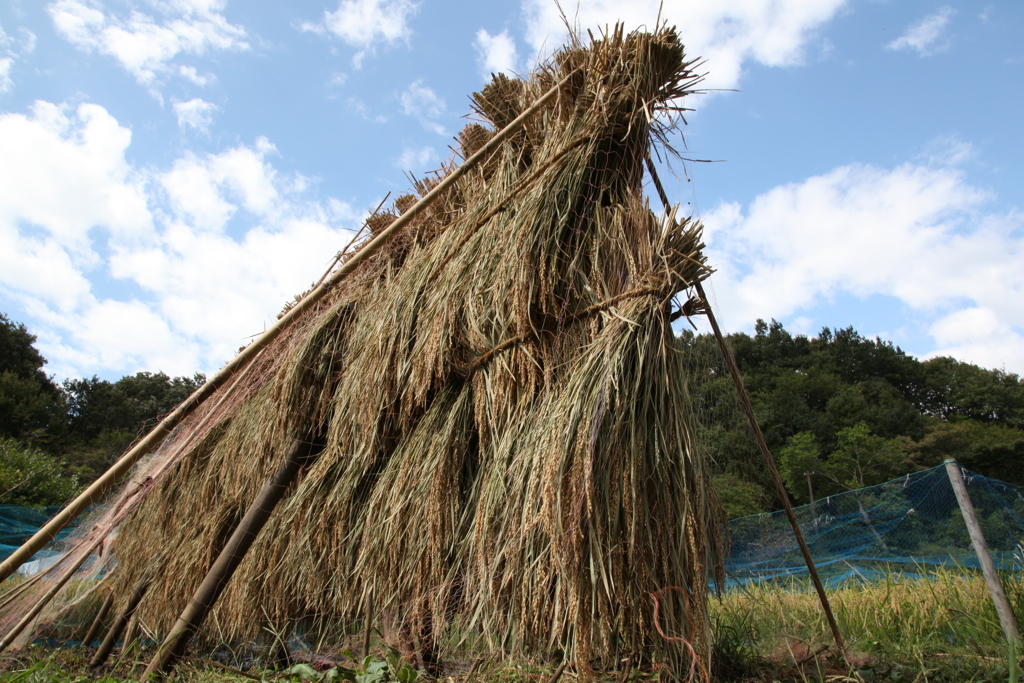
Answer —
509 446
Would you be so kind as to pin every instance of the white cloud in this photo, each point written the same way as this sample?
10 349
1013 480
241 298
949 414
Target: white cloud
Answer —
420 101
64 173
363 110
8 54
146 46
726 34
203 254
195 113
416 159
916 233
5 74
364 24
192 74
982 336
925 35
28 39
207 190
496 54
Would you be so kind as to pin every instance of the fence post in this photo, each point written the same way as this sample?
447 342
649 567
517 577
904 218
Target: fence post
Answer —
995 586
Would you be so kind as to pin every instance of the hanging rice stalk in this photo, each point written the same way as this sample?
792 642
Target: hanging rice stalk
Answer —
510 456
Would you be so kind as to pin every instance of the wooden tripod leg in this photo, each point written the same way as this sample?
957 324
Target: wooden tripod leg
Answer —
299 453
97 623
117 628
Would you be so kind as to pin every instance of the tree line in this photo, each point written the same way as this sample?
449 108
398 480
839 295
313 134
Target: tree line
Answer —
55 438
839 412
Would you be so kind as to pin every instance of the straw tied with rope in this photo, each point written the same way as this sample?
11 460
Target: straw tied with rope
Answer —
482 412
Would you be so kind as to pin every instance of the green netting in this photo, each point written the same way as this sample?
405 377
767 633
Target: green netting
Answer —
18 524
902 526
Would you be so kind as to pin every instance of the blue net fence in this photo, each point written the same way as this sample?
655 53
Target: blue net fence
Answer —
18 524
902 526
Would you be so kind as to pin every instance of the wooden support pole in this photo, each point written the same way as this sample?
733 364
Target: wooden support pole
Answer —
11 595
43 601
117 628
300 452
762 445
988 568
130 632
151 440
558 672
773 471
97 623
368 623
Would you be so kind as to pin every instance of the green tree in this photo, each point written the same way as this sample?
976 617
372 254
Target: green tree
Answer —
738 496
799 459
31 407
129 405
864 459
105 417
28 476
955 389
877 404
17 353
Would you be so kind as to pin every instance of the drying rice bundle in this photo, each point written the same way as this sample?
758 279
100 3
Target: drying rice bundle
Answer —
508 448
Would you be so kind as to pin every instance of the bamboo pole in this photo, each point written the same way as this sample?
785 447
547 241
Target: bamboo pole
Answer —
12 594
107 646
150 441
368 625
129 634
97 623
300 452
43 601
988 568
762 445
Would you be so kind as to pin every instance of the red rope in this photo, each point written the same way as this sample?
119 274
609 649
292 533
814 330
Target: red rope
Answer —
694 661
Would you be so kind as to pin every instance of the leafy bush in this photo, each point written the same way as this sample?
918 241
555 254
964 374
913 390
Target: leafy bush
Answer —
28 476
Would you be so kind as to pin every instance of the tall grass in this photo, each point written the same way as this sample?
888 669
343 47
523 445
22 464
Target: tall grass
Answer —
939 626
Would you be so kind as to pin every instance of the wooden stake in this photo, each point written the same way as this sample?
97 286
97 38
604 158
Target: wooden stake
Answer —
150 441
117 628
299 453
558 672
762 445
368 623
988 568
129 634
43 601
97 623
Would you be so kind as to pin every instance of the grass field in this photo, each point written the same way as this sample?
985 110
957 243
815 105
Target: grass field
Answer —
942 628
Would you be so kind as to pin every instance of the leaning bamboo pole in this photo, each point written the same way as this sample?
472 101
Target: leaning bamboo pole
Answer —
301 451
762 445
988 568
97 622
43 601
151 440
116 628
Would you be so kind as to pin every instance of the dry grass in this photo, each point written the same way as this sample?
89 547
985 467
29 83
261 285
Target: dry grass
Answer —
509 444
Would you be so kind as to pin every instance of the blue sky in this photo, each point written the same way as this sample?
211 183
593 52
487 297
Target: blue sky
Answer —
173 171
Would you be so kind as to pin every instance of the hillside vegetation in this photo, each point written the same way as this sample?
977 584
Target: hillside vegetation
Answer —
849 411
57 437
839 411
